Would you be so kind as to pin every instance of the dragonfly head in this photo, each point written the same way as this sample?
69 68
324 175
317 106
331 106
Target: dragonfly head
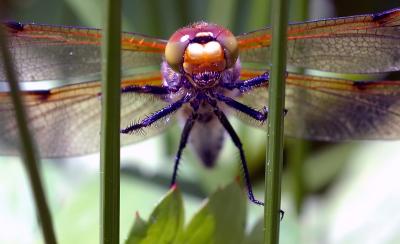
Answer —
202 51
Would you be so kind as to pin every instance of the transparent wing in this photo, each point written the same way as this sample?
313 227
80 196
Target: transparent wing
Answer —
357 44
334 109
66 121
48 52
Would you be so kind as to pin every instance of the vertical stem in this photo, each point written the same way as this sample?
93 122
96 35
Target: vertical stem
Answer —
28 149
297 148
276 102
110 137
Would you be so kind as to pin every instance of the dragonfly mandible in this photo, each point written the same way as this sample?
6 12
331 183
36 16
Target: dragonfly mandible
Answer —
202 74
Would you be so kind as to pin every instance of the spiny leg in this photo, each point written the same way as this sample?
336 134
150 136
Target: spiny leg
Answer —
257 115
157 115
184 138
244 85
157 90
236 140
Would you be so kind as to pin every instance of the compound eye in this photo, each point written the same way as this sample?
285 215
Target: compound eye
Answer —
175 49
229 42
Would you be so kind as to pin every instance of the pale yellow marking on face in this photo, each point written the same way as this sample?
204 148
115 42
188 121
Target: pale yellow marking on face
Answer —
210 50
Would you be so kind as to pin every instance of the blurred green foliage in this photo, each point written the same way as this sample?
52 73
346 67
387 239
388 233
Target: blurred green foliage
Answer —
215 222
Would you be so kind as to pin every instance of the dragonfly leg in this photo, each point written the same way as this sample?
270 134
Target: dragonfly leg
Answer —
158 90
184 138
245 85
236 140
157 115
257 115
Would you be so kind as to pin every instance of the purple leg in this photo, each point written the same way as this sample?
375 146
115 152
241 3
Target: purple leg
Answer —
158 90
248 84
257 115
235 138
157 115
184 138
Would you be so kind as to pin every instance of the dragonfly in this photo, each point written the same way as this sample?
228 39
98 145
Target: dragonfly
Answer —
200 76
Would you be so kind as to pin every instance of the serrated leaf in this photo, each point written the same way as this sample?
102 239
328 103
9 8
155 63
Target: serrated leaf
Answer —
164 224
221 220
138 231
200 229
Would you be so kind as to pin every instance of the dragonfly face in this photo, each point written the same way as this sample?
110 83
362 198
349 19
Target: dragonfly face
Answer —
200 60
200 75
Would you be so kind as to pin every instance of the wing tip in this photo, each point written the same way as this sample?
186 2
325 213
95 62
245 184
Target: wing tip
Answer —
386 14
14 26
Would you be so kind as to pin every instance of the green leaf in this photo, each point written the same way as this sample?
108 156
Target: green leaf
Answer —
221 220
164 224
228 206
138 231
201 228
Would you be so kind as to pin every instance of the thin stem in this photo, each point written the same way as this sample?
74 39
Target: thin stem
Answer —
276 102
297 149
28 150
110 136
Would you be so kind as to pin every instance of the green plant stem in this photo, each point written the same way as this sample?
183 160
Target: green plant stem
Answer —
276 103
28 150
110 137
297 149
